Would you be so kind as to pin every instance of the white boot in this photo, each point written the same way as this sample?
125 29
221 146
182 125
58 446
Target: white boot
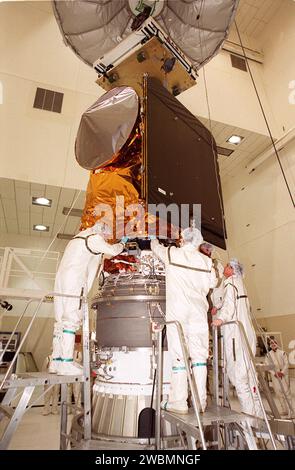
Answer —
67 365
56 349
177 402
200 375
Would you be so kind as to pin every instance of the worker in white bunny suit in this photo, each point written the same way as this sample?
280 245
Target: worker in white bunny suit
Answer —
77 270
189 277
280 377
235 307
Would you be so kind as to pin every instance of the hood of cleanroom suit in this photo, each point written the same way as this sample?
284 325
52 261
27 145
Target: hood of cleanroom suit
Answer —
198 28
192 236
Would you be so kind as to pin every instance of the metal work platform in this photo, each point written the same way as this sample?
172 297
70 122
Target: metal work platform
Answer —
229 425
27 382
29 379
213 414
95 444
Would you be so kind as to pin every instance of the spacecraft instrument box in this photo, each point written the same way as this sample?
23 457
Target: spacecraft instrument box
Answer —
147 50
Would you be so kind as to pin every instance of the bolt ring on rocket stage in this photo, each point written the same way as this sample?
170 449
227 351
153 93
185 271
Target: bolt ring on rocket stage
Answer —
146 298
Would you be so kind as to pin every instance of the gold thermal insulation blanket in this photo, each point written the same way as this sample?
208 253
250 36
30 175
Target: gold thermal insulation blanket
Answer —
120 176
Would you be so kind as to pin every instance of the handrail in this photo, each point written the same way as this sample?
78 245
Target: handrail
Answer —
24 337
21 343
14 330
192 384
215 367
264 334
253 371
86 359
273 366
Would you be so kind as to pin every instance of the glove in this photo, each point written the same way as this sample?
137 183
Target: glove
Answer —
124 240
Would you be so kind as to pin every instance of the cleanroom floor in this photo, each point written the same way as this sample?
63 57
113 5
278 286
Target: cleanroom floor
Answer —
38 432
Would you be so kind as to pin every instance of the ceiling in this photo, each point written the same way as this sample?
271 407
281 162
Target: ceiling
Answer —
253 15
18 215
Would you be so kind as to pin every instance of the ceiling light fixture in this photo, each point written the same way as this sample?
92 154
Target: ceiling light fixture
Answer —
235 139
41 201
41 228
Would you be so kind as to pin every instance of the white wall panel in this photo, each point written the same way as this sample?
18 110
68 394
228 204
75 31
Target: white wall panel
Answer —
278 43
231 95
35 48
268 240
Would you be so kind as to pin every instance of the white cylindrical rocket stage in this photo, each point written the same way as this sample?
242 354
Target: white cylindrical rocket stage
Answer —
124 390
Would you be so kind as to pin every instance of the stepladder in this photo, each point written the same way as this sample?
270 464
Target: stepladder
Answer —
18 389
219 427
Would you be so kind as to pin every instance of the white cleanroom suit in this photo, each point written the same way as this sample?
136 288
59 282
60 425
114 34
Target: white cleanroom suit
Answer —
236 307
280 379
78 267
189 276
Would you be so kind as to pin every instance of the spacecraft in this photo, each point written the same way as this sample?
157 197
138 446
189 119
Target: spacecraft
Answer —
141 144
